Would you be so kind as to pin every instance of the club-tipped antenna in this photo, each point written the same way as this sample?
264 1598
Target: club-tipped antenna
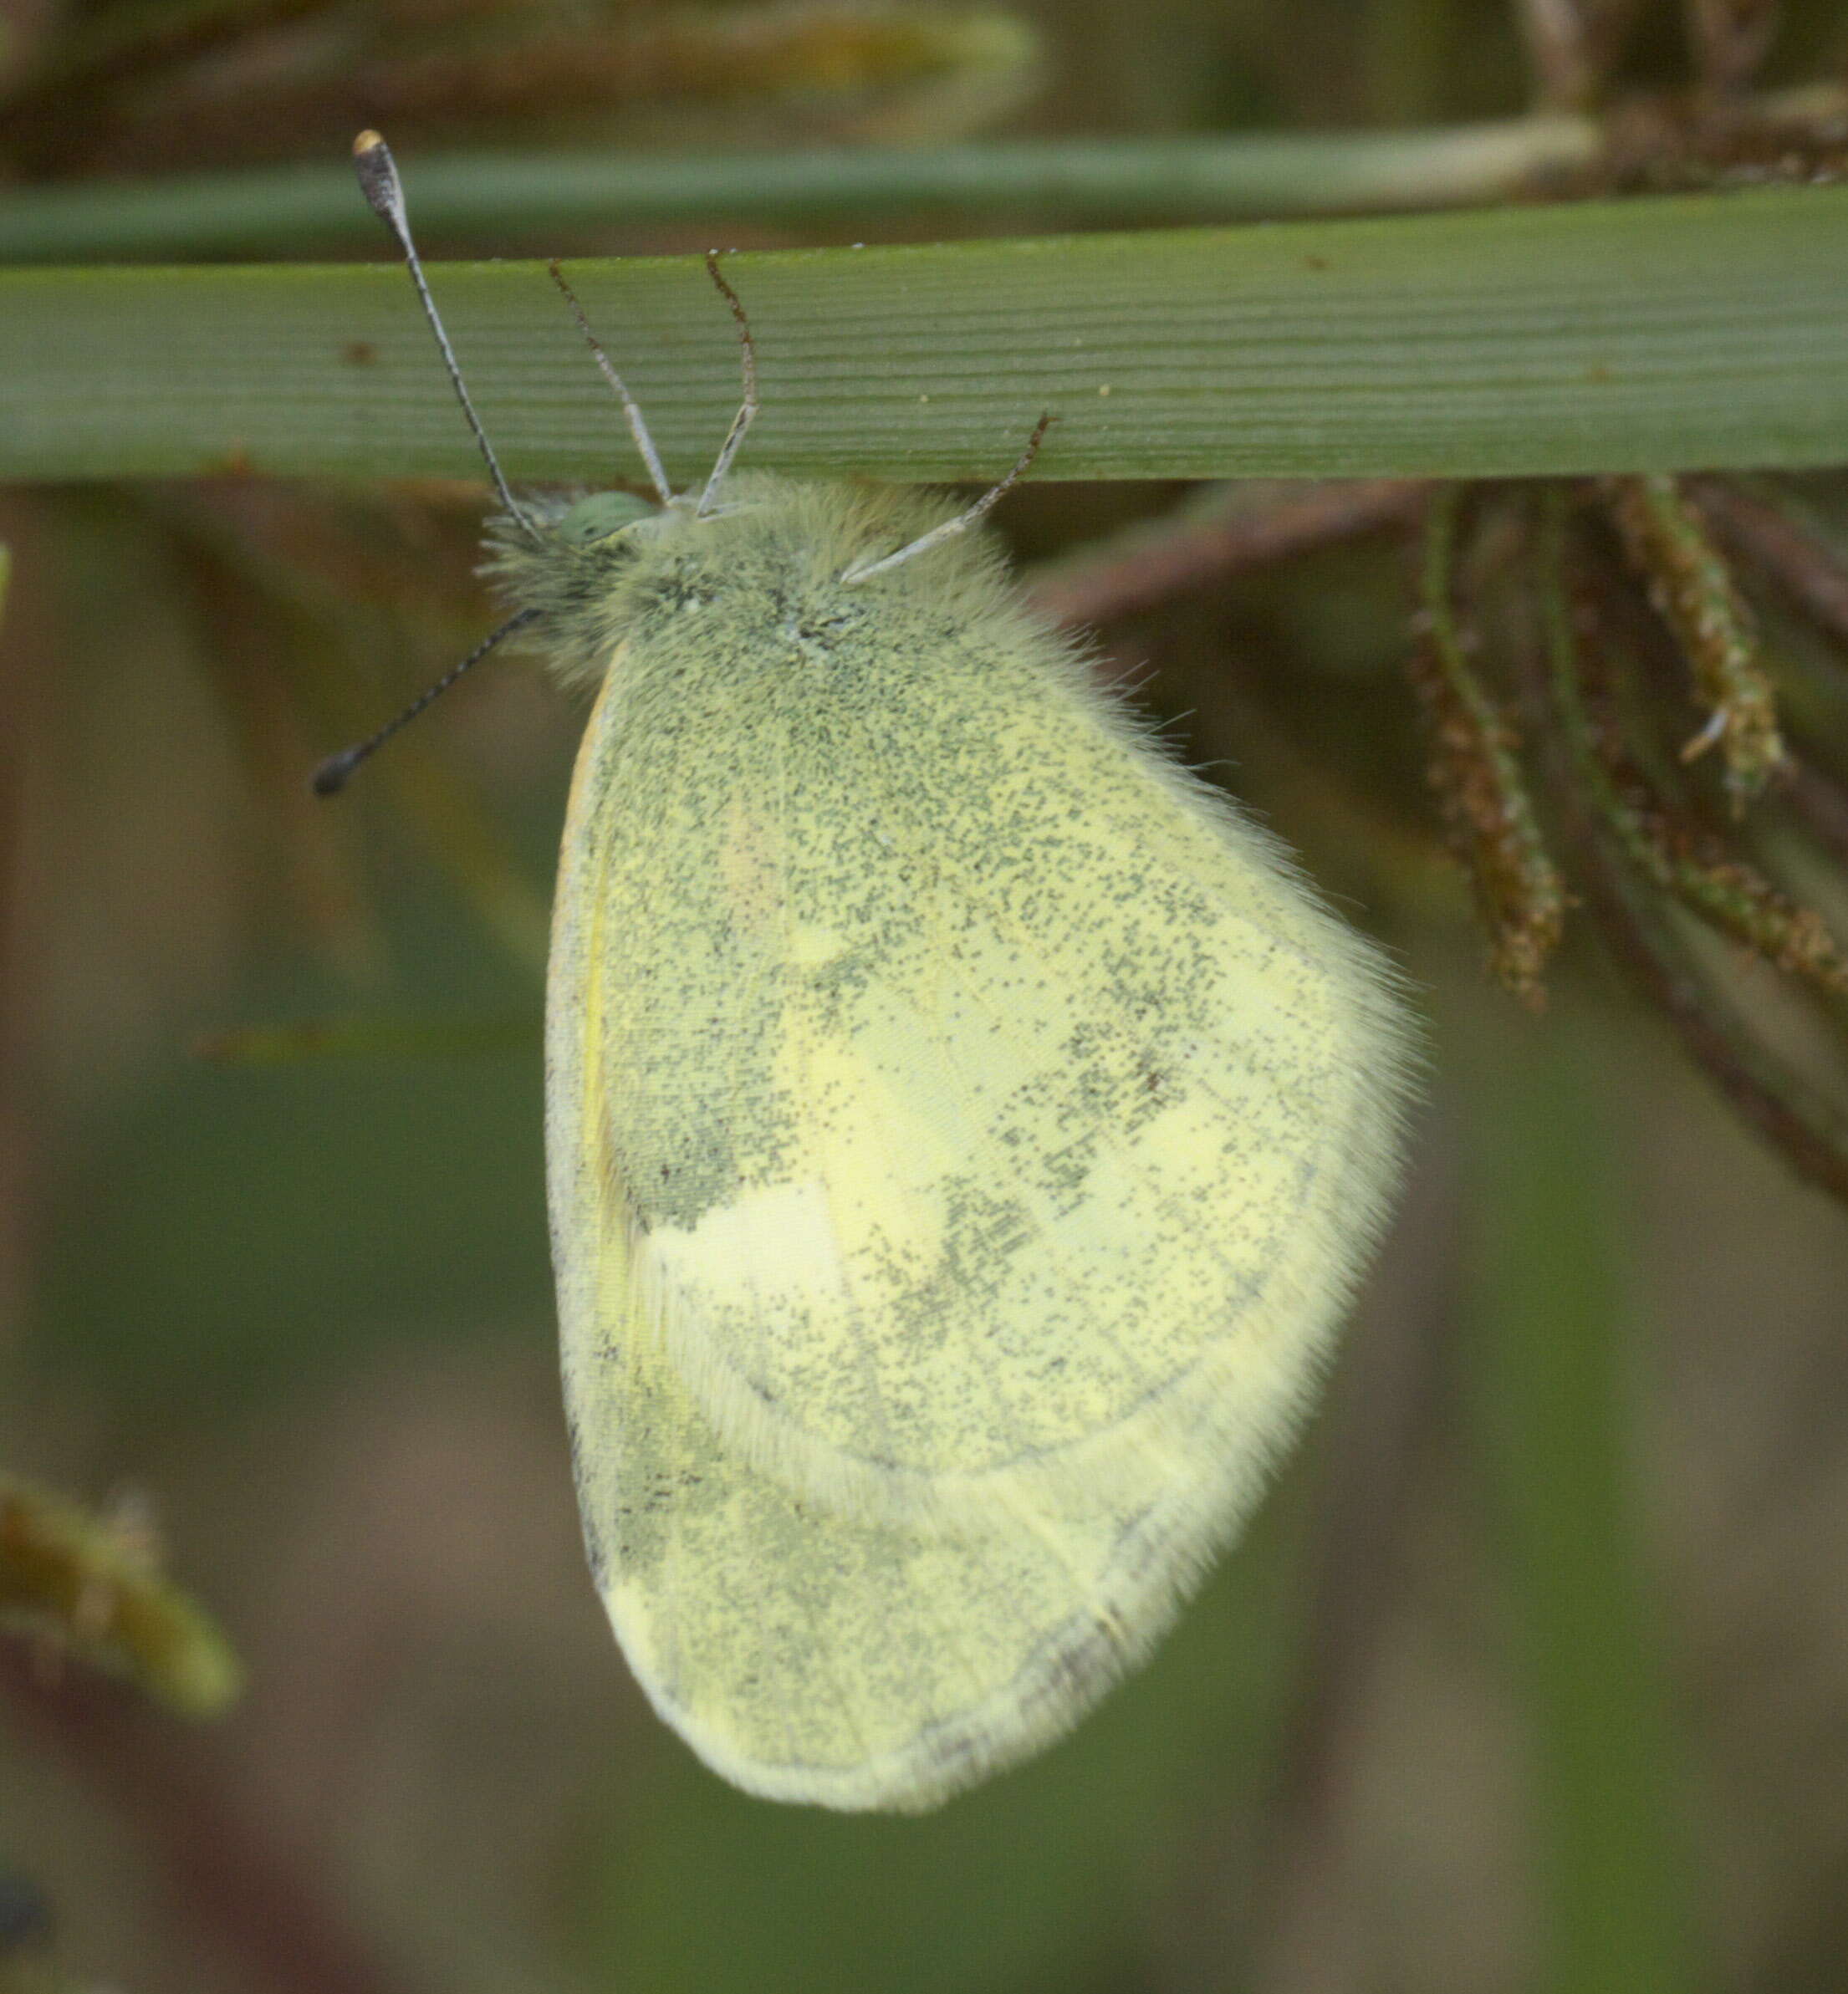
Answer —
379 182
334 773
631 408
747 409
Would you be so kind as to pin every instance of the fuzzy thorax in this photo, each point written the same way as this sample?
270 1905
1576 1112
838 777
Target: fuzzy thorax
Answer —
769 559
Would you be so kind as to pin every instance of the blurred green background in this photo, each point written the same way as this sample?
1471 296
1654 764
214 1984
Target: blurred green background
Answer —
1532 1673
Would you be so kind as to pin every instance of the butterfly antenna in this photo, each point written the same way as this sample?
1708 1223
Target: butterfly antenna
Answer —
746 414
379 182
631 408
337 771
963 520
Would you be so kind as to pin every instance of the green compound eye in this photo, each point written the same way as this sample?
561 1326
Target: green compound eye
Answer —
602 514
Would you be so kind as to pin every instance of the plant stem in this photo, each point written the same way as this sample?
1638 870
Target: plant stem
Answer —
532 195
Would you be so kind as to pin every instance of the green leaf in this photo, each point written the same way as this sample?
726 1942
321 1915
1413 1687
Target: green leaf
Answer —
1642 335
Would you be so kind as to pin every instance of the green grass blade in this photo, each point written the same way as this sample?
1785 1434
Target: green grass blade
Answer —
1658 335
1553 1359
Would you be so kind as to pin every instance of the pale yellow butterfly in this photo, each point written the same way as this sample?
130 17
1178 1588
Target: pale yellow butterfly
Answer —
965 1128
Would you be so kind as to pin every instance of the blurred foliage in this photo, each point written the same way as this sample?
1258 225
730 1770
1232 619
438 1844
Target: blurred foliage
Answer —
124 87
1550 1371
1531 1673
90 1589
26 1930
